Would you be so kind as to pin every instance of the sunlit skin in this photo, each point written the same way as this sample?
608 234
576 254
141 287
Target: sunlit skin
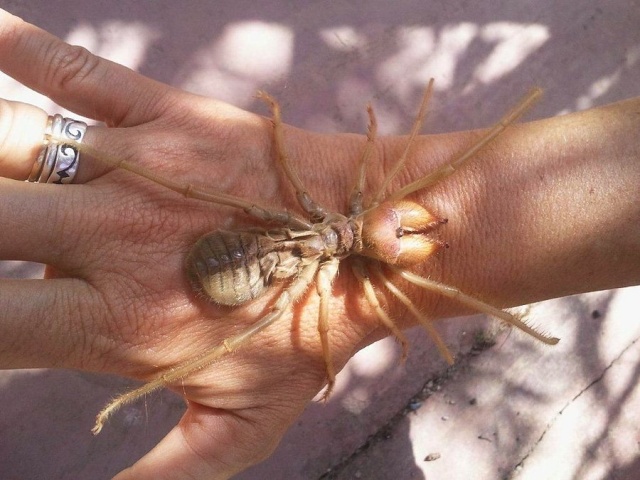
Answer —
551 208
234 267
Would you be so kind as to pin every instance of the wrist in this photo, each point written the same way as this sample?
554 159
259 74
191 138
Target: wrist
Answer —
550 208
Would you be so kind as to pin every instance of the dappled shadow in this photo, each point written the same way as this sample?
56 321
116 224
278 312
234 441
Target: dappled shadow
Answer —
587 55
46 422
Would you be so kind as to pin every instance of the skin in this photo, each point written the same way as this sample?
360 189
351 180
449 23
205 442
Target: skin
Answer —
551 209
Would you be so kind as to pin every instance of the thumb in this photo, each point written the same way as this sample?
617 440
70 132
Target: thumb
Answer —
209 443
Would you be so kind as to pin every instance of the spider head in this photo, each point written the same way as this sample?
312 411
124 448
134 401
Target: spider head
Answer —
399 233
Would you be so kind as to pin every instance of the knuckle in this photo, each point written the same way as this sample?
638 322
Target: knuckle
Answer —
70 65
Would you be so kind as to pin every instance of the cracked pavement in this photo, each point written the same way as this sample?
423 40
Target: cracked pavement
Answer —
517 410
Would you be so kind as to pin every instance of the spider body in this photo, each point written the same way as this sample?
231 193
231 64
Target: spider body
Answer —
234 267
383 235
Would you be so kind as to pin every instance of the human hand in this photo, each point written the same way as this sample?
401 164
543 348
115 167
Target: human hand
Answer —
117 299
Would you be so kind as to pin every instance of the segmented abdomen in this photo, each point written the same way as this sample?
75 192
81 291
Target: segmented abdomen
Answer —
226 266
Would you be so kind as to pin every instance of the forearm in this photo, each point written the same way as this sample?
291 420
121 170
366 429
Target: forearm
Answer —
550 209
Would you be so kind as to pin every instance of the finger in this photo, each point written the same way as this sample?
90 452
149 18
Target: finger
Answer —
22 137
40 223
22 129
46 323
76 79
207 444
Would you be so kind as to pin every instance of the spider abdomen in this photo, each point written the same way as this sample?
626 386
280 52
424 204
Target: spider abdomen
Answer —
233 267
224 266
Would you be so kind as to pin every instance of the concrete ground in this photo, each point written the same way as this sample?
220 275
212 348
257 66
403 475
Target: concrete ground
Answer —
516 410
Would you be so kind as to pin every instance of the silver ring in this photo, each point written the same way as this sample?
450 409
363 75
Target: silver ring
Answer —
58 160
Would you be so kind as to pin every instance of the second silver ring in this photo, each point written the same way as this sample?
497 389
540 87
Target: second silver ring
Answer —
58 159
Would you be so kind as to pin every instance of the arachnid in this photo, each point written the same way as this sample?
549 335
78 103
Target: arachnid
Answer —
385 233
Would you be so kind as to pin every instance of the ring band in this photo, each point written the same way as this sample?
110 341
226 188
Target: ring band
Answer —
57 162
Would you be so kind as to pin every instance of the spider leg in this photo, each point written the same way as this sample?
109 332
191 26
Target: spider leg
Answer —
362 275
417 125
326 274
252 208
479 306
422 319
308 204
228 345
449 168
356 205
